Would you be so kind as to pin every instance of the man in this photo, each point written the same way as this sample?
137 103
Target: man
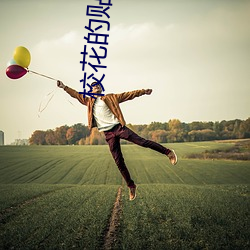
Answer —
104 113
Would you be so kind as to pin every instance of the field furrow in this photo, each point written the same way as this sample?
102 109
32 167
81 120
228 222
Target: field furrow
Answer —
186 217
9 212
64 197
66 218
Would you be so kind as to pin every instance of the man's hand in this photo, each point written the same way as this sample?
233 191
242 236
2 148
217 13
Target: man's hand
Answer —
148 91
60 84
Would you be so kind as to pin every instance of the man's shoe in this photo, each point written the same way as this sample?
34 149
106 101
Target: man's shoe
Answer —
172 157
132 193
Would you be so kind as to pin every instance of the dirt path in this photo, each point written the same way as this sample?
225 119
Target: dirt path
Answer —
111 235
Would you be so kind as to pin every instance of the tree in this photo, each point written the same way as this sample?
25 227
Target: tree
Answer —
185 130
217 129
95 138
77 134
60 134
38 138
245 129
236 128
196 126
175 133
82 142
70 136
50 137
157 125
159 135
202 135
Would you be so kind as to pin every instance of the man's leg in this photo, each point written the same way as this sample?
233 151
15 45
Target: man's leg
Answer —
115 149
129 135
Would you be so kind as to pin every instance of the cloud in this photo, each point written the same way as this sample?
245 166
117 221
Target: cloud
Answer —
124 33
66 40
59 56
128 41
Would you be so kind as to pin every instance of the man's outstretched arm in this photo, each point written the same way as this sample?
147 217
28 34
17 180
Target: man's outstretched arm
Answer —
132 94
60 84
73 93
148 91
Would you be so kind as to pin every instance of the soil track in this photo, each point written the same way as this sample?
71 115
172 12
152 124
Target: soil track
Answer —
112 230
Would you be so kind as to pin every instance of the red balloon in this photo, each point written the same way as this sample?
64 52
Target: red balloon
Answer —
15 71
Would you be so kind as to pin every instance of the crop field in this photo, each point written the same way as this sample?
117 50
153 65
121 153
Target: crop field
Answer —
73 197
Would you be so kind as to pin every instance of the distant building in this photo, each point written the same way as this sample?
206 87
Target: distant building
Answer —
1 138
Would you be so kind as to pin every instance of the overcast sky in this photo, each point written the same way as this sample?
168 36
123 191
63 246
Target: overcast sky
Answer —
194 54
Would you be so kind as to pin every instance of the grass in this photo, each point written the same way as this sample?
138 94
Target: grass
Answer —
57 165
240 150
61 197
187 217
65 218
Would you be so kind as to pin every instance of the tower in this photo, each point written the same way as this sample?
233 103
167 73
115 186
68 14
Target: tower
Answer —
1 138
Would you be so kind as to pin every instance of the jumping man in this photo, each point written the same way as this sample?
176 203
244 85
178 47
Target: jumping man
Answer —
104 113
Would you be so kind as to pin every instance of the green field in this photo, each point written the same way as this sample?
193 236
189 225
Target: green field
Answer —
62 197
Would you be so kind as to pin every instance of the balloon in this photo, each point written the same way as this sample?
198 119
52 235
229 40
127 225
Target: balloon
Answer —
11 62
22 56
15 71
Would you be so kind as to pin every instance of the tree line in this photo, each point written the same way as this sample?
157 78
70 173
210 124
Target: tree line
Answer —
172 131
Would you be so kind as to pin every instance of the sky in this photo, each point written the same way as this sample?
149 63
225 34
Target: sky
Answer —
194 54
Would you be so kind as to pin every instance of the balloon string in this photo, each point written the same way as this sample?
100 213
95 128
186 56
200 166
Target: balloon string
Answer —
71 103
31 71
50 96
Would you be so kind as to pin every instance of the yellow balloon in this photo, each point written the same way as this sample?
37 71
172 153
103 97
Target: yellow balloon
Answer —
22 56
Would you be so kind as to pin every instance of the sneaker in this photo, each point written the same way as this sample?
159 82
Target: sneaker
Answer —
172 157
132 193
